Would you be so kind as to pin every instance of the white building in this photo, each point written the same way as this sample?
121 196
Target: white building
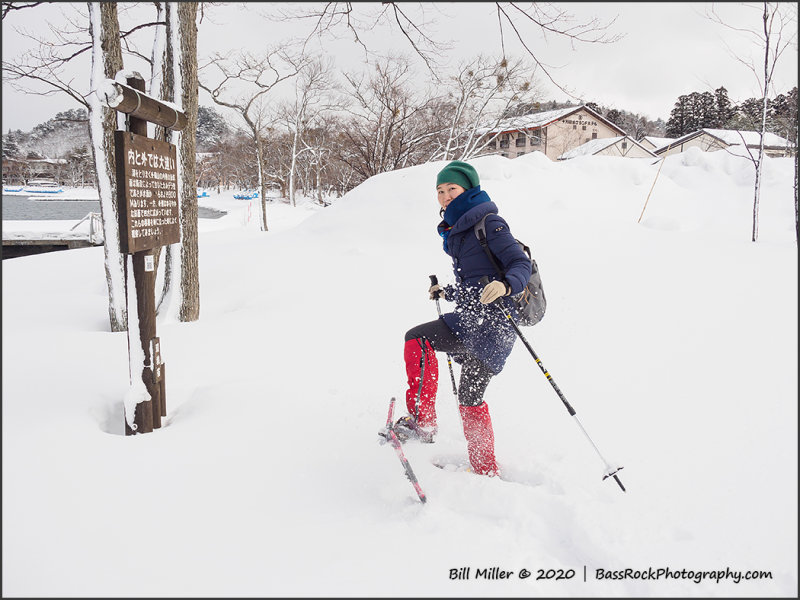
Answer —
653 143
617 146
552 132
710 140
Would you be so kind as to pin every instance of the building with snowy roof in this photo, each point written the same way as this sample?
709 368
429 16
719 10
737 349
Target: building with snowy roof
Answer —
623 146
710 140
553 132
653 143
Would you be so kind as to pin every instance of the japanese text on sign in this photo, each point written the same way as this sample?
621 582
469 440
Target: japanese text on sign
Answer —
149 185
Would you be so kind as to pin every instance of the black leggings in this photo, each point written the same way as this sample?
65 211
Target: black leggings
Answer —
475 375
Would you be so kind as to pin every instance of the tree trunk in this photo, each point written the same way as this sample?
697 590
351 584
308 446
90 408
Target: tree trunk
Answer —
319 181
760 160
190 281
106 63
293 166
180 299
756 200
262 183
162 85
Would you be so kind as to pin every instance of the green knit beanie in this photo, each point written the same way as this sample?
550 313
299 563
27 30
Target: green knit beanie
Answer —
458 172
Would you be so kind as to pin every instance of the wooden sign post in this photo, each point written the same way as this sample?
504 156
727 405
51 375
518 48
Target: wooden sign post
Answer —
149 217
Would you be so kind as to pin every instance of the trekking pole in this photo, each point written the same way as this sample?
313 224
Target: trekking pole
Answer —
435 281
610 471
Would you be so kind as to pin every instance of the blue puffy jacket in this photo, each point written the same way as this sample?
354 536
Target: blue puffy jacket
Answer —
482 328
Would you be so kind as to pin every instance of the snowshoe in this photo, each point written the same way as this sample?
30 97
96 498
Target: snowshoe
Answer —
406 428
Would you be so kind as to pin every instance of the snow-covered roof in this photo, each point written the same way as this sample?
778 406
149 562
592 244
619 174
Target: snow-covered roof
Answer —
539 119
533 120
658 142
734 137
591 147
598 145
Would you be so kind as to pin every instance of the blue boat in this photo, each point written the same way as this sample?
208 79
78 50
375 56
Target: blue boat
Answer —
43 186
246 195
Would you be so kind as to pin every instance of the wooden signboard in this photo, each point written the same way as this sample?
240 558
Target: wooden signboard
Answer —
147 192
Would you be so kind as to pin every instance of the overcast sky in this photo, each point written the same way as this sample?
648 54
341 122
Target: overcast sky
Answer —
667 49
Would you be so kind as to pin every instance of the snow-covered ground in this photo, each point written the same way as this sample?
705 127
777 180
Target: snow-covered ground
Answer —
675 339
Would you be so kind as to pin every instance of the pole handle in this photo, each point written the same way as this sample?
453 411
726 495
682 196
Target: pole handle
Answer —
435 281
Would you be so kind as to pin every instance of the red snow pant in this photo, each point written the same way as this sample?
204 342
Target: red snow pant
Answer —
422 369
480 438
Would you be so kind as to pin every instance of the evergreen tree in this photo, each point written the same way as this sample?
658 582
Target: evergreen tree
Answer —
679 122
211 128
783 115
724 110
614 116
748 115
10 146
80 167
705 110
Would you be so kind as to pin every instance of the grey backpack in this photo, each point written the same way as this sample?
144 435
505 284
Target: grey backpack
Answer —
530 302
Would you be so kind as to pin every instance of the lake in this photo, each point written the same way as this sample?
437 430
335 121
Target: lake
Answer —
28 208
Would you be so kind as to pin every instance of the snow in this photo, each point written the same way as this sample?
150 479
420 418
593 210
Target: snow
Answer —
598 145
751 138
675 340
659 142
532 120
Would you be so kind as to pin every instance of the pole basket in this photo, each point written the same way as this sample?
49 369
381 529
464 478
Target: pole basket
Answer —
612 472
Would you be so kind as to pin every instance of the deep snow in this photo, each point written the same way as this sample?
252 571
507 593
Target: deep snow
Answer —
675 339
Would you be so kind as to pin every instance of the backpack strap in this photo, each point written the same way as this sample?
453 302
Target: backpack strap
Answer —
480 232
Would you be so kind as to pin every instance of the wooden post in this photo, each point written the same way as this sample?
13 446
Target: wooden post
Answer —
149 217
148 414
132 100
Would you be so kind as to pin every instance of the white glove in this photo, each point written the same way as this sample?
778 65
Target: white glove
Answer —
493 291
436 291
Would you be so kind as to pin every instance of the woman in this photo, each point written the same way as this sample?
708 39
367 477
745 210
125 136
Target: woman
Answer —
476 334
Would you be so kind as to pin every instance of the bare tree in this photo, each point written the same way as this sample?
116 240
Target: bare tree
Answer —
9 6
777 32
277 148
106 63
311 102
318 144
513 20
481 93
549 19
181 295
388 121
261 74
332 17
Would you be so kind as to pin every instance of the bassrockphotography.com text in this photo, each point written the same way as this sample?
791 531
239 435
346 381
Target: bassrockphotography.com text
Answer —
588 574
